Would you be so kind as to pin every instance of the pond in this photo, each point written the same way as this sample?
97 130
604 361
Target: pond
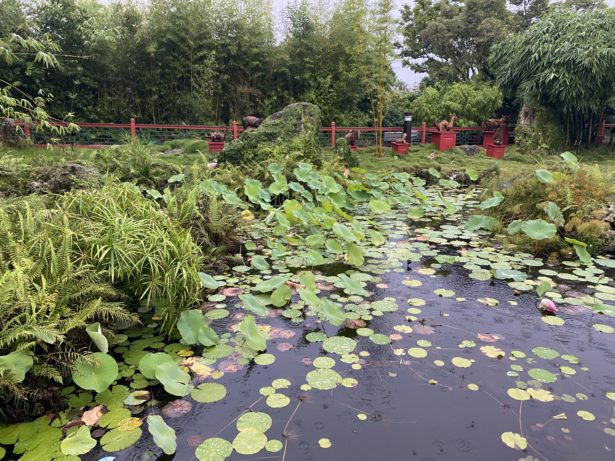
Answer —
442 355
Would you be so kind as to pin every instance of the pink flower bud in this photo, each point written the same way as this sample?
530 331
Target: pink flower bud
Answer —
548 306
212 165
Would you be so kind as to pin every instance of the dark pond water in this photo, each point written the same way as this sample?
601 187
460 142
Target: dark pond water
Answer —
416 409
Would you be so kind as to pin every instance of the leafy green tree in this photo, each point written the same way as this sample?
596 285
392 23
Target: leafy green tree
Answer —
528 11
450 40
564 64
472 102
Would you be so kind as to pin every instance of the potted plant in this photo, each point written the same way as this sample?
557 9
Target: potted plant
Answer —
216 142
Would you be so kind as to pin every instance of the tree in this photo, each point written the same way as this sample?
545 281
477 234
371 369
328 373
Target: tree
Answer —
528 11
450 40
472 102
382 49
564 63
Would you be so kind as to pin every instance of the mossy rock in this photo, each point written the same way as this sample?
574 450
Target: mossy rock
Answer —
293 129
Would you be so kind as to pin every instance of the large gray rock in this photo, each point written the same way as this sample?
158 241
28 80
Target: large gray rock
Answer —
293 129
57 179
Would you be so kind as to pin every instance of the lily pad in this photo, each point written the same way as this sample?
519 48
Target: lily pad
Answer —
164 436
95 372
249 441
214 449
209 392
255 420
117 440
78 442
514 440
339 345
323 379
544 376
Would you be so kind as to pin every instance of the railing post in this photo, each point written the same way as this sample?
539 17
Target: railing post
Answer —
234 129
423 132
26 130
133 129
333 135
600 134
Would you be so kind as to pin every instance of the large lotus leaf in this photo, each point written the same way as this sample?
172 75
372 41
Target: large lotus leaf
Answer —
175 380
571 160
544 176
281 295
493 201
377 238
95 333
208 281
17 363
583 254
309 297
149 362
253 188
267 286
164 436
339 345
514 227
255 339
260 263
315 241
539 229
352 286
344 232
95 372
253 304
323 379
354 255
479 221
189 324
194 329
334 246
512 274
472 174
332 312
416 213
554 212
78 442
379 206
117 440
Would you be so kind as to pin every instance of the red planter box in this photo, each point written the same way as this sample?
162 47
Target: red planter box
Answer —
488 138
400 148
495 150
353 148
216 146
444 140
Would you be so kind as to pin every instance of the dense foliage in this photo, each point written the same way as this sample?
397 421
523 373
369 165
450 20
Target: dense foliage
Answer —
564 64
198 61
472 102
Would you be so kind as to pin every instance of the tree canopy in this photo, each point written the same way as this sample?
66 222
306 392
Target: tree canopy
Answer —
564 63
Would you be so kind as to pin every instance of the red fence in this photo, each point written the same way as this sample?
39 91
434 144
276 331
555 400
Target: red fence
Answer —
104 134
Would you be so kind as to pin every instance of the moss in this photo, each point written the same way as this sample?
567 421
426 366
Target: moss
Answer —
293 129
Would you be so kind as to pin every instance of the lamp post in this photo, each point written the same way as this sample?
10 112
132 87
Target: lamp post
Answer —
408 127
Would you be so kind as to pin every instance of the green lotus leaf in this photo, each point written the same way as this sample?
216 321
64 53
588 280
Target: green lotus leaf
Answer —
493 201
277 400
253 304
267 286
175 380
538 229
149 362
478 221
334 246
17 363
344 232
95 372
472 174
571 160
281 295
331 312
117 440
379 206
255 339
164 436
544 176
354 255
78 442
208 281
260 263
352 286
95 333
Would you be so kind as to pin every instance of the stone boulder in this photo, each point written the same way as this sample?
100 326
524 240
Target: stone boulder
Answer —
472 150
57 179
294 129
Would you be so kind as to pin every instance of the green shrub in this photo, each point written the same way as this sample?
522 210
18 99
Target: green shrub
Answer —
136 244
47 298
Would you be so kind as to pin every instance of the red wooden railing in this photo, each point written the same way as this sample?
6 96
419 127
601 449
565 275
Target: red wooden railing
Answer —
98 134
